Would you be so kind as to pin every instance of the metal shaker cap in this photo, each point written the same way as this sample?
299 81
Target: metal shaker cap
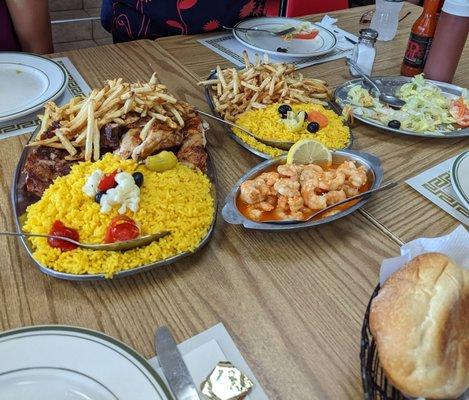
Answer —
368 35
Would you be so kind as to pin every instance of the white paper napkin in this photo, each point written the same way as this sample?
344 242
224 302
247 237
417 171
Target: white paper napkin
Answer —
331 23
202 352
454 245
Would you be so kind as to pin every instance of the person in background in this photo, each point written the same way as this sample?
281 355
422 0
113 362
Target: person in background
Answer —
148 19
25 26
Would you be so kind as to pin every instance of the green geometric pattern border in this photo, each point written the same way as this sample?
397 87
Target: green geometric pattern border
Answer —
436 186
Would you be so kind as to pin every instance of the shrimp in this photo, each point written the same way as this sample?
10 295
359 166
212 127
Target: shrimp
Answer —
295 203
310 176
312 199
349 190
251 192
287 187
269 178
335 196
355 176
290 170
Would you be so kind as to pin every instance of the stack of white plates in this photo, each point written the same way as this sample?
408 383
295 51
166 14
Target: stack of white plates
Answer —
27 82
60 362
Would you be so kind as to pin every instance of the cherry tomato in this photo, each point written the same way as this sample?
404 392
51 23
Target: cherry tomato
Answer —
107 182
59 229
320 118
309 35
121 229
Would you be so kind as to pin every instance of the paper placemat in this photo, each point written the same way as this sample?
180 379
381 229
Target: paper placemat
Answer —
435 185
202 352
228 47
76 87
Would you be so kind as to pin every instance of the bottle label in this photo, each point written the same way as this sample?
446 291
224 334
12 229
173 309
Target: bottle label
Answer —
417 51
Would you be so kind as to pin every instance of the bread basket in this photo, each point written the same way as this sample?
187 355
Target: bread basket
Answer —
375 384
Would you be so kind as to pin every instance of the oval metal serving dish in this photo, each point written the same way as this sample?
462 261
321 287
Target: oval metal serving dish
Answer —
232 215
21 199
209 98
390 85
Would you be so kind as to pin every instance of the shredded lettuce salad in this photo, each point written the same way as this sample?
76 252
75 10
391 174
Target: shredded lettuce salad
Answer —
426 108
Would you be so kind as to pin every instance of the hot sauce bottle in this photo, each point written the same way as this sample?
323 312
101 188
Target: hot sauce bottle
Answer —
420 40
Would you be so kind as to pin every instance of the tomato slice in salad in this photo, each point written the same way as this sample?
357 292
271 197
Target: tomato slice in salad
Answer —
306 35
319 117
59 229
121 229
107 181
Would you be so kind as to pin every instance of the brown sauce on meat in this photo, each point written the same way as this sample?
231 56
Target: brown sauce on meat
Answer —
243 207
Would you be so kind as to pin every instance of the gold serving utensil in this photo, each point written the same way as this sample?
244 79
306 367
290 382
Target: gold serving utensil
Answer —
358 196
273 143
117 246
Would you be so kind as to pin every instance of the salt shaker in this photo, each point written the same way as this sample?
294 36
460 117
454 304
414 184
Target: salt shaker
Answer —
364 51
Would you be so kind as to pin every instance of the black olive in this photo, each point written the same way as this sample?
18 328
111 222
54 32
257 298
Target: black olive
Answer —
395 124
283 109
313 127
282 50
98 196
138 178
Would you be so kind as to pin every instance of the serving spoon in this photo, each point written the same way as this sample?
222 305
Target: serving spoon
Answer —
273 143
389 99
358 196
117 246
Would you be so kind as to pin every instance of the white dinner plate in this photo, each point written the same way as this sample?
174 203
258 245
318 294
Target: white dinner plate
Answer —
323 43
460 178
27 81
63 362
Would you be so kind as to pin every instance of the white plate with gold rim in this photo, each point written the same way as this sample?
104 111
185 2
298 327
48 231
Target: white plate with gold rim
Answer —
64 362
27 82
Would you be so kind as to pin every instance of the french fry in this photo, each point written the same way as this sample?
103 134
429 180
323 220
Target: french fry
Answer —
146 129
89 131
96 141
66 143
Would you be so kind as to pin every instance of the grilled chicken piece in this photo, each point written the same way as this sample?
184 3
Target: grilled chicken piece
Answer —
192 152
160 137
130 141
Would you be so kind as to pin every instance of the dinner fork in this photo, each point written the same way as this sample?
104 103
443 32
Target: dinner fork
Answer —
274 33
117 246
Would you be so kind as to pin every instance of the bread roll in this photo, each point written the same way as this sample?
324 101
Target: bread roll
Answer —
420 322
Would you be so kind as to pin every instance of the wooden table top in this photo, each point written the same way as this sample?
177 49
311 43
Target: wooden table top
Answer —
404 214
293 303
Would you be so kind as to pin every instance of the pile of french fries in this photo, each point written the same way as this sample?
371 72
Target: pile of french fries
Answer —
82 118
259 84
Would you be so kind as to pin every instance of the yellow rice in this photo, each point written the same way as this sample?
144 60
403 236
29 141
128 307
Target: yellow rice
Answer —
178 200
267 124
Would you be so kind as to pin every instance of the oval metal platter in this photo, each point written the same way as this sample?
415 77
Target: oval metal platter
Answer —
232 215
391 84
208 96
21 199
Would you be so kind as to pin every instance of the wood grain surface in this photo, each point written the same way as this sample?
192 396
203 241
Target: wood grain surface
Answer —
403 213
293 303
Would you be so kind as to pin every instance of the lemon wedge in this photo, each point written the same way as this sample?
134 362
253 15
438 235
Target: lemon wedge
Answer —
309 151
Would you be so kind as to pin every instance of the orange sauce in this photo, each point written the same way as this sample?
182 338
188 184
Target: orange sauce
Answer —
243 207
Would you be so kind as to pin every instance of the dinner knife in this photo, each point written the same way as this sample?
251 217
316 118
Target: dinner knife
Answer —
174 367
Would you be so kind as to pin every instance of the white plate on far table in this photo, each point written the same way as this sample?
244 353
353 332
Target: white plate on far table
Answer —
323 43
27 81
63 362
460 178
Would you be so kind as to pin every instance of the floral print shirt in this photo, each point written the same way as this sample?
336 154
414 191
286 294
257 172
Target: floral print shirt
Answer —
138 19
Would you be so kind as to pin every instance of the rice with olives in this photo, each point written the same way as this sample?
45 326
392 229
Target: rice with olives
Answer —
178 200
267 124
